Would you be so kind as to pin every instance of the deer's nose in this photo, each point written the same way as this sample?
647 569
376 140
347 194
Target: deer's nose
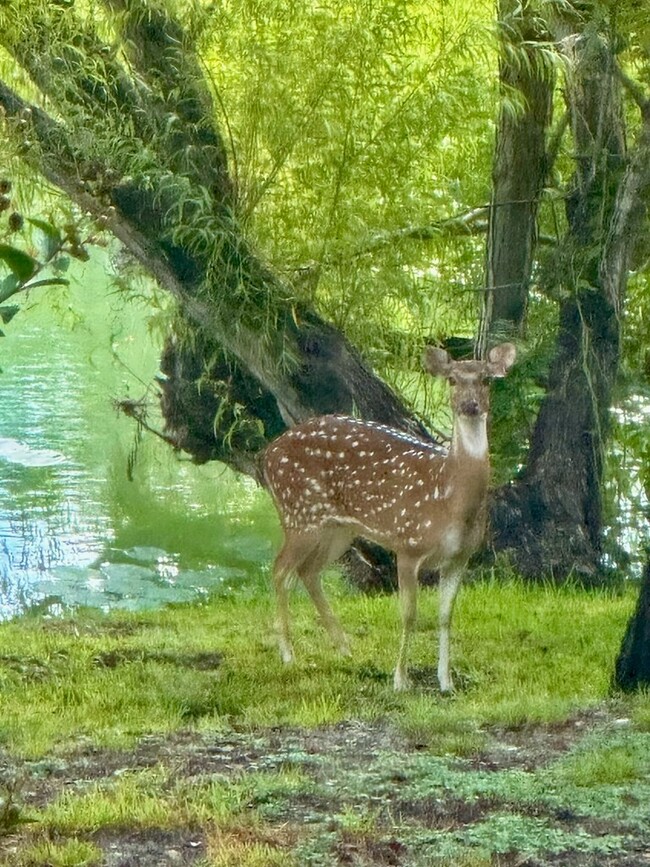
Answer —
470 407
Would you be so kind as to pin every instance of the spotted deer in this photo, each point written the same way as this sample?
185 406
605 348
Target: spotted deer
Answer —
333 478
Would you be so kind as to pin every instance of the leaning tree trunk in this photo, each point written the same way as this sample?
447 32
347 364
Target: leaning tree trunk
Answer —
550 517
253 359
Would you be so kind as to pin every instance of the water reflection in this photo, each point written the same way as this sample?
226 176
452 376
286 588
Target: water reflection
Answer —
73 530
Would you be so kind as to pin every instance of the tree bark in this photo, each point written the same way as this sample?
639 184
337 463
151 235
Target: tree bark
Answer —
518 174
550 517
633 663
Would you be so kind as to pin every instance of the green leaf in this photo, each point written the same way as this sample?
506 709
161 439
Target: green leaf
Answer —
51 237
61 264
45 227
22 264
49 281
8 312
8 286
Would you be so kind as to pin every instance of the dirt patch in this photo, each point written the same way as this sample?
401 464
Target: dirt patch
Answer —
150 847
529 747
194 661
640 857
360 850
445 814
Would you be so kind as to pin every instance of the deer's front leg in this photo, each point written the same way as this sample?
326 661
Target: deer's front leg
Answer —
407 571
448 589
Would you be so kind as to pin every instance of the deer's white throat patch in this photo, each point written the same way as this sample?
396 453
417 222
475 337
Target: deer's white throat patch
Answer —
472 436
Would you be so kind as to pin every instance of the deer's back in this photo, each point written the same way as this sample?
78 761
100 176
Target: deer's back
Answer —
342 468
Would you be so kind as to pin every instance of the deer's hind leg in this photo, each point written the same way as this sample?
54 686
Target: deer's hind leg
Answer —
333 542
293 551
305 555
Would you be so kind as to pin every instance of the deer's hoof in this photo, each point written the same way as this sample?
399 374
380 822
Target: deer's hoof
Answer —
344 647
401 681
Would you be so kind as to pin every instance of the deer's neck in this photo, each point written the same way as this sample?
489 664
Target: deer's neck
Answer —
468 469
470 438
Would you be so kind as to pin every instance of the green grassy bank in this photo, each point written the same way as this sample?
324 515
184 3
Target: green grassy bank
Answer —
141 692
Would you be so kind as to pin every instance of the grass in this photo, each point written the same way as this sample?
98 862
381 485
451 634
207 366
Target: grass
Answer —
525 658
72 853
521 654
151 799
613 763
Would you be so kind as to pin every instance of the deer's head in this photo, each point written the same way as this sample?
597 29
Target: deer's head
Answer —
470 380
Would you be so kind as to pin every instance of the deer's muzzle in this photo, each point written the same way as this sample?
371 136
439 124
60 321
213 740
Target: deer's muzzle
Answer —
470 407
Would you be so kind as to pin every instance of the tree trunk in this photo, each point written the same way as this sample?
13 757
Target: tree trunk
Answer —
633 662
550 517
518 175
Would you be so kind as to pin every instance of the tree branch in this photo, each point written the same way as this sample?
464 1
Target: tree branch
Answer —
635 90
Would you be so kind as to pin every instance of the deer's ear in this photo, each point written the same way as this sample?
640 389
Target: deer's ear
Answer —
436 361
501 359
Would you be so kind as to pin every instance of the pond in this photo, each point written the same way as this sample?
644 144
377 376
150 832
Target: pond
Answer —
73 529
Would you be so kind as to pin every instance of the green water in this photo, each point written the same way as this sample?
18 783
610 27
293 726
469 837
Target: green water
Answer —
73 529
